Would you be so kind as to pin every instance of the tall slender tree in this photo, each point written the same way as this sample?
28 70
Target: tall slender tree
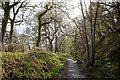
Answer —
85 34
93 28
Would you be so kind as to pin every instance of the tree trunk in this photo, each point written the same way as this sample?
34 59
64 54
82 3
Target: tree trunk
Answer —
39 34
56 45
75 41
118 15
5 21
11 31
93 37
6 8
85 34
51 46
87 47
91 28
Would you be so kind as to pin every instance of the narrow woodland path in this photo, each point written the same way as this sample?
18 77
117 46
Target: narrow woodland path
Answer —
72 70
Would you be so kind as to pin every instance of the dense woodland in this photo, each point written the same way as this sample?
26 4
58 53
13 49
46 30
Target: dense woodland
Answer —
50 34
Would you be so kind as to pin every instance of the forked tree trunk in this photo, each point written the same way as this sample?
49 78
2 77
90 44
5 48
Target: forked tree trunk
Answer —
85 34
6 7
93 37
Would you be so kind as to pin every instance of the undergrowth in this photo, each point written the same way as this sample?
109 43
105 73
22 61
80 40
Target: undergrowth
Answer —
107 63
31 65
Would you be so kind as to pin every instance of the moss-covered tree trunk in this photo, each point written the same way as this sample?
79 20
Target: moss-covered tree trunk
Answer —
42 24
39 33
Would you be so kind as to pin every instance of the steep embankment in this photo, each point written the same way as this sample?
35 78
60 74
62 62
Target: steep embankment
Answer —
32 65
108 56
107 64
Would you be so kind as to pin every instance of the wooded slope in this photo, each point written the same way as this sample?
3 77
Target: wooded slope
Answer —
107 63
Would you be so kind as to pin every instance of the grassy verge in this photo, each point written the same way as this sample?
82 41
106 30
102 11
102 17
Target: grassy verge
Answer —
32 65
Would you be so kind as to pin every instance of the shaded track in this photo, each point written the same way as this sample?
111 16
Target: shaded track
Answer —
72 70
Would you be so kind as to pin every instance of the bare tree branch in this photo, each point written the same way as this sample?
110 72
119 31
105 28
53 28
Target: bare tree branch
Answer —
11 6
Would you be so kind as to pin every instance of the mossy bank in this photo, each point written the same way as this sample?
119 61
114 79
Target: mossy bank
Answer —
107 59
32 65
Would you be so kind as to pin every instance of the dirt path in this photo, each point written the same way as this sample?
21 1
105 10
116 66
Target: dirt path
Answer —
72 70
